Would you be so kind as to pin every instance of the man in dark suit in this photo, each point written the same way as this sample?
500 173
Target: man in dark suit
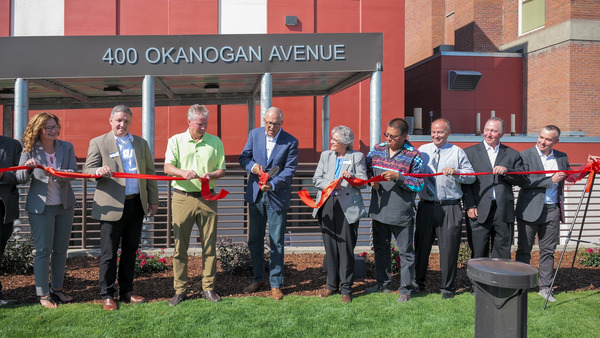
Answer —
120 204
267 147
540 204
10 153
489 201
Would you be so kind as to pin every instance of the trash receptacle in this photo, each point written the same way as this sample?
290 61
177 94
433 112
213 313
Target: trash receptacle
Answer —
500 287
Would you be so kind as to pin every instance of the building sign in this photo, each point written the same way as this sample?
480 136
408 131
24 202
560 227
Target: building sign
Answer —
106 56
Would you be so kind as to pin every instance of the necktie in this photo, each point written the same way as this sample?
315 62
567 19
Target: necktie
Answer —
431 181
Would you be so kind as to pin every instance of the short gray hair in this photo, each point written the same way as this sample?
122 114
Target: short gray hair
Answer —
197 110
121 109
345 135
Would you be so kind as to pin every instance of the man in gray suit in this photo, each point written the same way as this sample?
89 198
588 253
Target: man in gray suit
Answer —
540 204
120 204
10 152
489 201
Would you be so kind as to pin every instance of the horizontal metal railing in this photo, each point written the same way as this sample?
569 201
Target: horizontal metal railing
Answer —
302 229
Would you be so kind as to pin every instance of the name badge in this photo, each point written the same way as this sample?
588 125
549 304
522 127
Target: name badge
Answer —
115 154
347 162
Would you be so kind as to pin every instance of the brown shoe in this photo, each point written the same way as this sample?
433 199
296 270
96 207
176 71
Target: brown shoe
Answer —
324 293
252 288
346 298
129 297
277 294
109 304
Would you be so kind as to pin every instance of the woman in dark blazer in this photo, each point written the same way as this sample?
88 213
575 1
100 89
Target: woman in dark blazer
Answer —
49 203
340 214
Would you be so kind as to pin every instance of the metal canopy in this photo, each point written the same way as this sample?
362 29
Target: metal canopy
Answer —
74 72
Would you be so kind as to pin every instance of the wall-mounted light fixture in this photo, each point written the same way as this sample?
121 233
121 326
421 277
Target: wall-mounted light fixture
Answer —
112 90
211 88
291 20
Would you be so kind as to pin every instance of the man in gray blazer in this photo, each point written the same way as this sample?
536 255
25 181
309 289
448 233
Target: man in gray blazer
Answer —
489 201
120 204
10 152
540 204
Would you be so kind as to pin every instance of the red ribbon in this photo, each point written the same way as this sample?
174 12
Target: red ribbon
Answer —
205 192
591 167
353 181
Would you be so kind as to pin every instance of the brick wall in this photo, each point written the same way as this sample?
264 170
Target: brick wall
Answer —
585 87
562 87
418 33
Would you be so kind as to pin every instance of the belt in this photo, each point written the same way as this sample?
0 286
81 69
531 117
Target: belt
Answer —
191 194
443 202
551 206
130 197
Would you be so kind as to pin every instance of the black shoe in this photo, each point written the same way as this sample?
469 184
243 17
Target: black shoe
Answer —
211 295
178 298
447 295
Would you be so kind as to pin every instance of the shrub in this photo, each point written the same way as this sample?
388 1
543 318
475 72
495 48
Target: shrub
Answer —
145 263
464 254
18 256
233 256
590 257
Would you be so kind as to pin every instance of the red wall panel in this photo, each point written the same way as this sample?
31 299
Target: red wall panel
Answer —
143 17
5 17
90 17
193 17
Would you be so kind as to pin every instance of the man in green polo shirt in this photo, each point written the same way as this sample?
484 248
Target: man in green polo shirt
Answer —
194 154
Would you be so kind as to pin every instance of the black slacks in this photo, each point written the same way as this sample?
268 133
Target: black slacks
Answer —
6 230
445 223
126 231
339 239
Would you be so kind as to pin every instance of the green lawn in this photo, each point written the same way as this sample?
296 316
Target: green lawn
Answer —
576 314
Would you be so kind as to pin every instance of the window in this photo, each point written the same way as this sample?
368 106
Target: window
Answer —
531 15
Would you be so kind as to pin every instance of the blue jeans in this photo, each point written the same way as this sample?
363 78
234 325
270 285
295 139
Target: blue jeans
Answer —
260 212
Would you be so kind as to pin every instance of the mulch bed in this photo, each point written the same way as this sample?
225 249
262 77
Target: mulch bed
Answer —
303 276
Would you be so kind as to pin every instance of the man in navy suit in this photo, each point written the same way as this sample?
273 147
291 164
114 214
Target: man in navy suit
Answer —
489 201
267 147
540 204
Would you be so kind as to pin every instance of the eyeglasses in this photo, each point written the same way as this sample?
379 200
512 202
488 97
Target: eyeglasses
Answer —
335 141
272 124
393 137
52 128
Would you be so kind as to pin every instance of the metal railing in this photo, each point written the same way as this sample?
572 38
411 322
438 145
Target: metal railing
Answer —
302 229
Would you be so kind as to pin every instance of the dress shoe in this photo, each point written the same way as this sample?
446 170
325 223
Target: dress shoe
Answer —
447 295
129 297
277 294
544 293
4 302
109 304
211 295
60 295
252 288
346 298
178 298
324 293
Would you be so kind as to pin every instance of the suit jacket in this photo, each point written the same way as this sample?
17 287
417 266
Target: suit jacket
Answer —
10 152
109 197
530 203
65 161
284 155
349 197
479 194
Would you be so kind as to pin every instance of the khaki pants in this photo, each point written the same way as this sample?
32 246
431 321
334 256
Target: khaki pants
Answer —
187 211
